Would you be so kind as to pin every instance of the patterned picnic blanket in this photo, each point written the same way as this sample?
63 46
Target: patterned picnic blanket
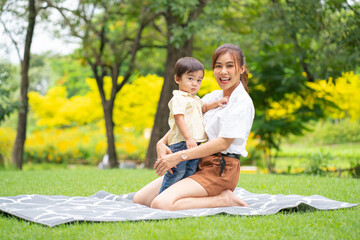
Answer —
106 207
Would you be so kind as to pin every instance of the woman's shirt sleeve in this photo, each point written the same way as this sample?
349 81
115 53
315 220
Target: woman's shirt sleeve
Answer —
236 120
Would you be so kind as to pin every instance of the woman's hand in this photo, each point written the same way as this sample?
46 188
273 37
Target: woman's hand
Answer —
166 163
162 150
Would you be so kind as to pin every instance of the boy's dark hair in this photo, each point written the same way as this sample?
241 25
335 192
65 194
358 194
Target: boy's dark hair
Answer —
186 65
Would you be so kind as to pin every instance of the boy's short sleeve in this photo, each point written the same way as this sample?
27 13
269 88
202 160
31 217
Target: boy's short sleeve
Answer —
177 105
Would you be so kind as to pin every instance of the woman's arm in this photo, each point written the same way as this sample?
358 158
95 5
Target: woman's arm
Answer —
161 146
169 161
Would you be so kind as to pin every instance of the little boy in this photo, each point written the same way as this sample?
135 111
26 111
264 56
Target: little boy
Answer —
185 119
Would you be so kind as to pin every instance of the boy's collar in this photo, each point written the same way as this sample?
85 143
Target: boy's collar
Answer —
179 92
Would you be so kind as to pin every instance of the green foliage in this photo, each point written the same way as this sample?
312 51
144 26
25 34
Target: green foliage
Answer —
286 44
331 132
7 104
316 31
70 73
355 169
318 163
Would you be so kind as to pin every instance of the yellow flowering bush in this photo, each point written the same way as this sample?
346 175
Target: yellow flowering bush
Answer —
135 104
70 145
344 92
85 145
286 107
84 139
208 84
252 147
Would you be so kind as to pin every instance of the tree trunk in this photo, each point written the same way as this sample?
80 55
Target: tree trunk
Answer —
162 114
18 151
109 125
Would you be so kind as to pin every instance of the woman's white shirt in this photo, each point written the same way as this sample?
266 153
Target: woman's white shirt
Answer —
232 121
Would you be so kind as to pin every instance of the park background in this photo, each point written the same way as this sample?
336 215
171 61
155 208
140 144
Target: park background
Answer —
105 96
105 89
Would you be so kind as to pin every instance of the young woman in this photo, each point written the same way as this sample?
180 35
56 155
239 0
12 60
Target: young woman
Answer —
227 129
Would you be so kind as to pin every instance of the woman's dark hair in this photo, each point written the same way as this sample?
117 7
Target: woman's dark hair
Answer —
239 59
187 65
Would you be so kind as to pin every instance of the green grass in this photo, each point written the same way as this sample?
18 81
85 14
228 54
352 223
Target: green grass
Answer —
338 224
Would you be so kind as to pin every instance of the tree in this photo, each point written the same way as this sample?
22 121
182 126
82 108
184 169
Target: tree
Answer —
287 44
294 42
11 10
319 31
110 34
180 17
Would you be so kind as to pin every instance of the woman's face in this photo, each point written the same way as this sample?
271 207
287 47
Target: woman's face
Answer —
226 74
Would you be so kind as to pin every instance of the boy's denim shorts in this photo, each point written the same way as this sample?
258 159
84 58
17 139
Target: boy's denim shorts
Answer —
182 170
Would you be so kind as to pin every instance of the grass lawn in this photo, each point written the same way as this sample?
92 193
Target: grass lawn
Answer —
338 224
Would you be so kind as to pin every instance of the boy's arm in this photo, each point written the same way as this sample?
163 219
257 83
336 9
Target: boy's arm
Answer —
219 103
180 122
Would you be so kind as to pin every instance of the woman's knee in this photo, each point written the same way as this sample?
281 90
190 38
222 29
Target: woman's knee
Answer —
161 203
146 195
139 198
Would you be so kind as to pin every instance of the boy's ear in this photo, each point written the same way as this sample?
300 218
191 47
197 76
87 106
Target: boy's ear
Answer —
177 79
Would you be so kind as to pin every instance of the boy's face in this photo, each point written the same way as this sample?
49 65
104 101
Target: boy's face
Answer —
190 82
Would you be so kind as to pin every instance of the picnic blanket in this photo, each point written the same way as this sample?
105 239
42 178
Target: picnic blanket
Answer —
106 207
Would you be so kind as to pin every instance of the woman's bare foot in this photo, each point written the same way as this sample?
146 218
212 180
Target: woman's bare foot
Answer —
230 199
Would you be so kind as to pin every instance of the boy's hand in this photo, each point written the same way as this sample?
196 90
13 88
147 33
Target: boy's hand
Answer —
190 143
223 101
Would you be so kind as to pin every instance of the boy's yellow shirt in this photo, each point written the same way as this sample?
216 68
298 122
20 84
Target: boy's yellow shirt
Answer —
190 106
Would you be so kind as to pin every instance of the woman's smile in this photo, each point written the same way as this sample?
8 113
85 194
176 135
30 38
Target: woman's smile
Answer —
225 80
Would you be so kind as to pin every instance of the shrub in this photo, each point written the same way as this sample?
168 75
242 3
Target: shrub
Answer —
335 132
76 145
7 139
318 163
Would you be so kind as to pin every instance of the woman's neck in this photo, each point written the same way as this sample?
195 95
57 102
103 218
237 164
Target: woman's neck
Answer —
228 92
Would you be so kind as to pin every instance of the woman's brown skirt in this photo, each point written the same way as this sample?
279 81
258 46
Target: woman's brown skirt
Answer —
208 174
